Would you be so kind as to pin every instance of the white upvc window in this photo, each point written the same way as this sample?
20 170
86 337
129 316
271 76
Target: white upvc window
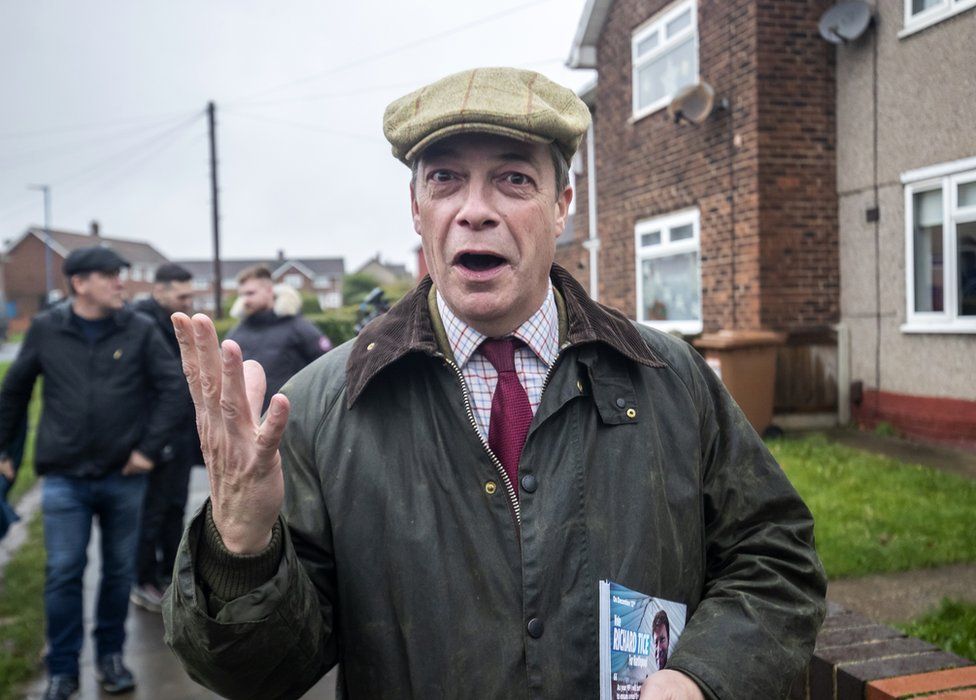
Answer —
669 272
940 250
664 53
920 14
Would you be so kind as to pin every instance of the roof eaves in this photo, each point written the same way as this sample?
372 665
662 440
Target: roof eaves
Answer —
583 51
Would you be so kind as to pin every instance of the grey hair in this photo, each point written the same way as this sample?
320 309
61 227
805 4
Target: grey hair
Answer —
559 165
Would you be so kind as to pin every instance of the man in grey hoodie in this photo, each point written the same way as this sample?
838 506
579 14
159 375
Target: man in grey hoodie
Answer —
272 329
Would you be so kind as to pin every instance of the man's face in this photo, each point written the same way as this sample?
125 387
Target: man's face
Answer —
102 290
661 646
488 216
256 295
174 296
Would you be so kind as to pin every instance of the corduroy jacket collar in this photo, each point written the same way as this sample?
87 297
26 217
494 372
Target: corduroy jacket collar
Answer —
408 327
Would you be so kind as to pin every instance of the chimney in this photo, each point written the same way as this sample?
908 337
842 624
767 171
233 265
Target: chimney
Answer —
281 255
94 228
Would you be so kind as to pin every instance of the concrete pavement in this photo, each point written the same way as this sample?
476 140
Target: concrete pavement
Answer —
158 673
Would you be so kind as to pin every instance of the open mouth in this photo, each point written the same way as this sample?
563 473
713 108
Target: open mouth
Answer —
480 262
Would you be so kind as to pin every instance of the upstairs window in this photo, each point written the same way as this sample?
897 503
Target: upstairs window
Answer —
920 14
665 57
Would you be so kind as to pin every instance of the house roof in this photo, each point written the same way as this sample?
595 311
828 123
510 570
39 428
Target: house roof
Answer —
395 269
311 267
63 242
583 51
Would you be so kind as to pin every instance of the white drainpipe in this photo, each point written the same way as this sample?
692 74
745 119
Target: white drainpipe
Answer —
592 244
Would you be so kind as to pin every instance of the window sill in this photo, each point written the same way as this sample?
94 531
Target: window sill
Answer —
917 26
653 109
961 328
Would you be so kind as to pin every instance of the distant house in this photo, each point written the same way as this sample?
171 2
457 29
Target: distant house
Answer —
318 277
26 267
385 272
731 224
906 177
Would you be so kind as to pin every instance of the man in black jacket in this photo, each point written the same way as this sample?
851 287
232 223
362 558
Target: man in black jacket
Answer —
113 393
162 511
272 330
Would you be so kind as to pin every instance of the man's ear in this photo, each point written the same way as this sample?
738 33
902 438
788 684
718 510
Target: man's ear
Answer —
414 209
562 209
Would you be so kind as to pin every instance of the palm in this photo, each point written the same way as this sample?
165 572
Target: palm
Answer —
241 452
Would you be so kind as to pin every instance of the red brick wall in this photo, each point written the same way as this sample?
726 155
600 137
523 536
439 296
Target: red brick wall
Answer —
800 268
25 278
925 417
762 56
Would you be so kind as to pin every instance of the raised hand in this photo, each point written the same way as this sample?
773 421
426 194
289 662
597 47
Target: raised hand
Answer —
241 453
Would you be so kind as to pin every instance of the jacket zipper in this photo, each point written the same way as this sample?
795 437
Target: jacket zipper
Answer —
502 474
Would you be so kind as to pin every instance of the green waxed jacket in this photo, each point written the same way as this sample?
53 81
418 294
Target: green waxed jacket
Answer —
407 560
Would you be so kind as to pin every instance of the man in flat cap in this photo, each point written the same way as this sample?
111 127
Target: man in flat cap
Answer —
433 505
111 397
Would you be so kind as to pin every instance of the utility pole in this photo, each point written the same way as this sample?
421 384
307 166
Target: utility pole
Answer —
48 273
215 208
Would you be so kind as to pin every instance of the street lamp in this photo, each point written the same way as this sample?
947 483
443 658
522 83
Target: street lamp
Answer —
48 277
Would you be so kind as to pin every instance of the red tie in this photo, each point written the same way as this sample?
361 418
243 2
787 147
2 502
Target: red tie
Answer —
511 413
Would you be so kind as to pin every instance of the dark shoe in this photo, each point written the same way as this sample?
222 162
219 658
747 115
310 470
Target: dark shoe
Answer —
147 597
113 675
61 687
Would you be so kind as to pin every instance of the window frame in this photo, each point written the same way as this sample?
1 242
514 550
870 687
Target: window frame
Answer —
658 23
916 22
948 320
665 249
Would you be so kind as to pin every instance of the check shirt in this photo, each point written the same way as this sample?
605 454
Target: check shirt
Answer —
540 333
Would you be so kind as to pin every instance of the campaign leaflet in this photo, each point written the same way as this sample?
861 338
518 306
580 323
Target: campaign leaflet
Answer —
637 635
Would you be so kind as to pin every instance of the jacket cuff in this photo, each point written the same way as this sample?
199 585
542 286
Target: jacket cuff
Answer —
228 575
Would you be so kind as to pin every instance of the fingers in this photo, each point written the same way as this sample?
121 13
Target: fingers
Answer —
188 354
255 384
233 397
208 363
273 427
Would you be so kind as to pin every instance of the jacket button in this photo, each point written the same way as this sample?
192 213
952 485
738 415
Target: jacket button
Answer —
621 403
529 483
490 487
535 628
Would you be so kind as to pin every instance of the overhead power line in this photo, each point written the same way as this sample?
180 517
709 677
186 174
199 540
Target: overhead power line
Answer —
390 52
89 126
301 125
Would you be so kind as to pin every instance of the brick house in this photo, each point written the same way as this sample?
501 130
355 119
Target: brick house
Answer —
318 277
728 225
25 268
385 272
906 177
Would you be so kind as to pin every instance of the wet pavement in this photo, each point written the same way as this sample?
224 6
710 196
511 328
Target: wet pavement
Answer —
158 673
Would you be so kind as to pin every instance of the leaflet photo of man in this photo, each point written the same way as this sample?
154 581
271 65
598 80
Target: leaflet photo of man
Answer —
661 632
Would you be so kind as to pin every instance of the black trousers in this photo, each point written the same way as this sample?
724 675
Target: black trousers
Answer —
162 520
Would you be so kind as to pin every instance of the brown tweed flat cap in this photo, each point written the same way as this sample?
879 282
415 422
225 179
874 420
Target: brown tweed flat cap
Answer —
520 104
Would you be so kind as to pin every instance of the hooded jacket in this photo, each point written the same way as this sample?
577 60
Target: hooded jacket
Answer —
280 339
405 555
101 400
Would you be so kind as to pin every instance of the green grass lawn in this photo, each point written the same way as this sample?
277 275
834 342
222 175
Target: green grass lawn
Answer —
951 627
22 584
874 514
22 614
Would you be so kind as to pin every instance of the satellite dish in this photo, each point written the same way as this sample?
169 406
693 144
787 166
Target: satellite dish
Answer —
694 103
845 21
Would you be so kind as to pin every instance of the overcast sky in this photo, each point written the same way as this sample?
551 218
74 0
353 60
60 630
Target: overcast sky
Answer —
104 101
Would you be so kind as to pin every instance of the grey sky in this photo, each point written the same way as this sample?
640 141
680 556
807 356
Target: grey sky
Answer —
300 90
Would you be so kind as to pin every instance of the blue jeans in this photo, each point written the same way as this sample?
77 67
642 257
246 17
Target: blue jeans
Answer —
68 505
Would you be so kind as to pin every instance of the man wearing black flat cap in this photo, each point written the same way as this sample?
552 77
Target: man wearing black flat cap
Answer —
111 398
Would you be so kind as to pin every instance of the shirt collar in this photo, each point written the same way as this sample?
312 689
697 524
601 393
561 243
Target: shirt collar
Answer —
540 332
